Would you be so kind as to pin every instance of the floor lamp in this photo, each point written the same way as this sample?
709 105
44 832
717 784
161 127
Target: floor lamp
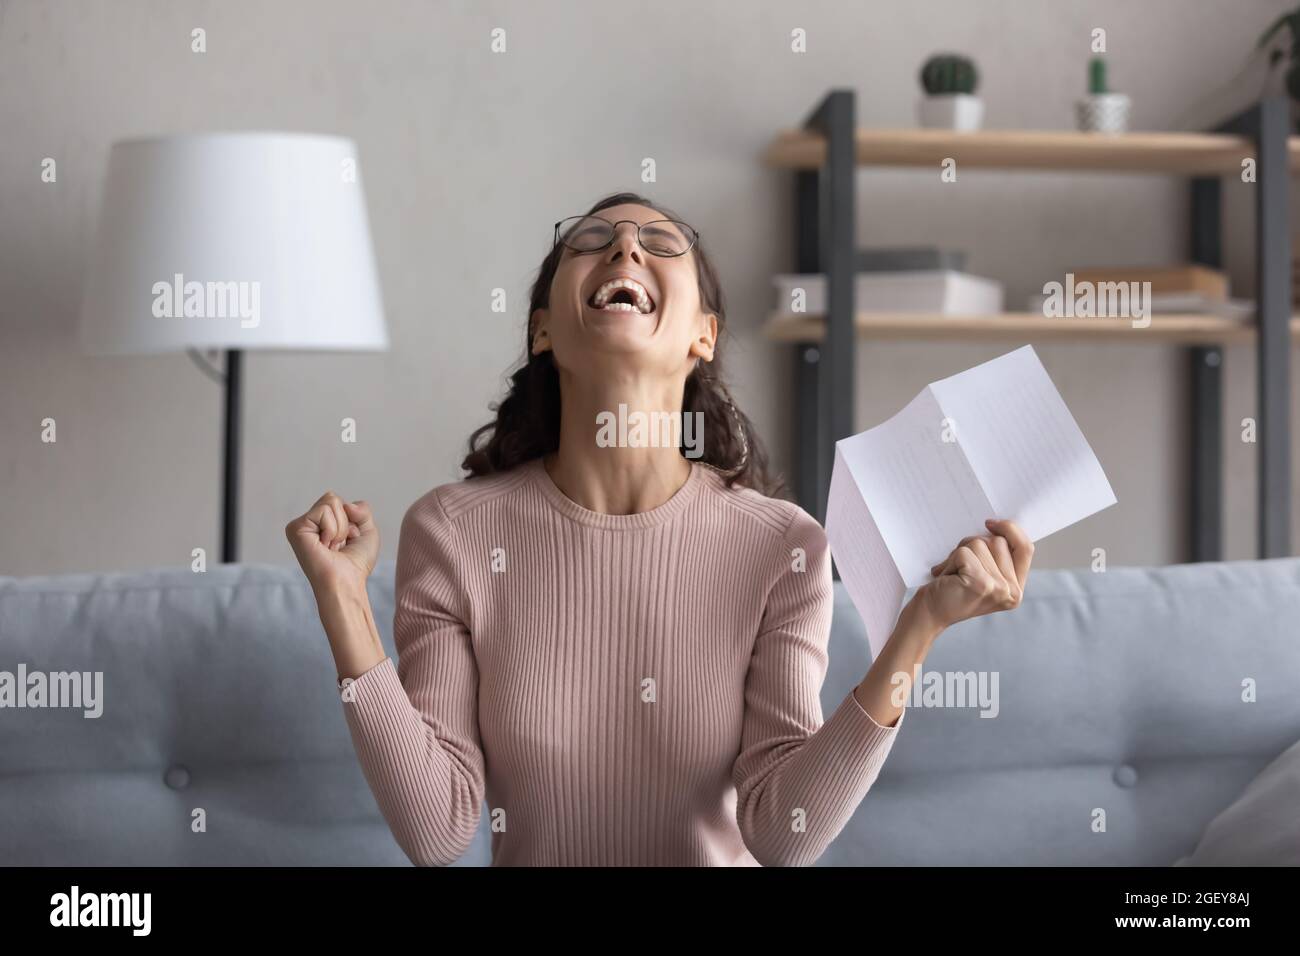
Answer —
233 242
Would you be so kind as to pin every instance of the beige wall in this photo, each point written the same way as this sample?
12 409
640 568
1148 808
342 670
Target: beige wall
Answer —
470 157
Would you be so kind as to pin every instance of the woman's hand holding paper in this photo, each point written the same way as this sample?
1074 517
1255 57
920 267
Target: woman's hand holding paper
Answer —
983 574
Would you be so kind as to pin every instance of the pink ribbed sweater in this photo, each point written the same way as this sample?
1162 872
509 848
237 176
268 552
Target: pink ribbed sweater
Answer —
622 689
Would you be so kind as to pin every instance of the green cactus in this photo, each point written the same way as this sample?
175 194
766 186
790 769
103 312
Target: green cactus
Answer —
1097 76
947 73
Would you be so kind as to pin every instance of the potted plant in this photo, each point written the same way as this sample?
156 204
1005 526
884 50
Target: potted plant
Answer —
1290 22
950 80
1102 111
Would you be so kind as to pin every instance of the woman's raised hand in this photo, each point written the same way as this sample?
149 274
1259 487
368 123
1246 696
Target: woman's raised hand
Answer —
336 542
984 573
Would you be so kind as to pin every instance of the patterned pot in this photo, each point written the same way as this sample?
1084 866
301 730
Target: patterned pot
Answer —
1103 113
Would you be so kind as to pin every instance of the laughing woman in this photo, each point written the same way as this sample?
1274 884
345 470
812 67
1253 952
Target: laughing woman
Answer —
619 646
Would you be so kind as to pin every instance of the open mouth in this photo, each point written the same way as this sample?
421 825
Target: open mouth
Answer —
622 295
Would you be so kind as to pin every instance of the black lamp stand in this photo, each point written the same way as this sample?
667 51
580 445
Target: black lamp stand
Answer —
230 463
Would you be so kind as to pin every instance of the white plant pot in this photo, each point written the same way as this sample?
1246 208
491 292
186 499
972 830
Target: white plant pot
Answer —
1103 113
957 111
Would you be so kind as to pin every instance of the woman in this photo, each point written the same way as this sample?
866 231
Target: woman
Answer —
619 642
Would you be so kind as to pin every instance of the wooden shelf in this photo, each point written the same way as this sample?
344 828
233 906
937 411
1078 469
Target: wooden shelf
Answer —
1171 153
1165 329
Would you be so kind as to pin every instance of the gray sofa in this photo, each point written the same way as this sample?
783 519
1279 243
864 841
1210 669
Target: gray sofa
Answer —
1119 692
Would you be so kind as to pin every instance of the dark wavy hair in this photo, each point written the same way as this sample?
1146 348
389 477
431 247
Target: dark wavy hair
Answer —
527 423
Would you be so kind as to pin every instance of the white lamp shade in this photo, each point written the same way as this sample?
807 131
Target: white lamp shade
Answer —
232 241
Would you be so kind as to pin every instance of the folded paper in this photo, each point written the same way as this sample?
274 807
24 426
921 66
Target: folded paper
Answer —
995 441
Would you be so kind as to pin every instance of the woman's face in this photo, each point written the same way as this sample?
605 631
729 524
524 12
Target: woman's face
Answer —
663 333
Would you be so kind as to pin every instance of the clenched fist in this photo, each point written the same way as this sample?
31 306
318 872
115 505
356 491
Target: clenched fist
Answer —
337 544
983 574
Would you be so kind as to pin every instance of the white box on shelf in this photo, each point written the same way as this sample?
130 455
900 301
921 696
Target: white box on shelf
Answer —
940 292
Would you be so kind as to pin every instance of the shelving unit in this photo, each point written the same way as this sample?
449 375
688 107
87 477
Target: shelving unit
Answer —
825 155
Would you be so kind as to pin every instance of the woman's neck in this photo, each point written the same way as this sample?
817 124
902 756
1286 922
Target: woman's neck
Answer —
620 446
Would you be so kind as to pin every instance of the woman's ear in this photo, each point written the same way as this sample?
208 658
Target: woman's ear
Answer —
706 340
540 340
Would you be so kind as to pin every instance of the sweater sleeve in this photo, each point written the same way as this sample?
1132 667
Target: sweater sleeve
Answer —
799 780
415 726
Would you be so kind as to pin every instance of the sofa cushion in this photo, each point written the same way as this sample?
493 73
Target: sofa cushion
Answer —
1262 826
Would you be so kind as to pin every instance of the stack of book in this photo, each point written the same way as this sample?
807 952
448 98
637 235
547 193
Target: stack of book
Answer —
899 280
1182 289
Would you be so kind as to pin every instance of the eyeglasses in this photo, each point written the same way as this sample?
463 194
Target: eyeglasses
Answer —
662 237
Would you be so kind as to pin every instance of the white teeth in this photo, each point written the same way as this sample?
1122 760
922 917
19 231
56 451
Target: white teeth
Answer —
602 296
